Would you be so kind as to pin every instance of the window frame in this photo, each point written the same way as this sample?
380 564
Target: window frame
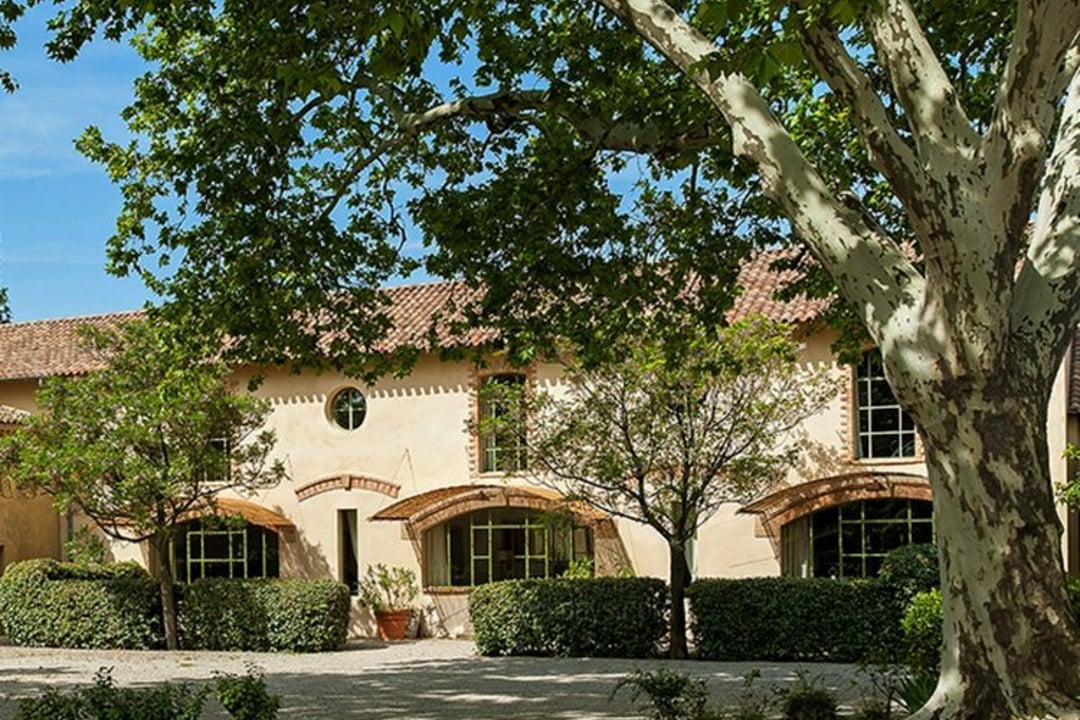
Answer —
868 380
490 446
184 562
578 542
332 409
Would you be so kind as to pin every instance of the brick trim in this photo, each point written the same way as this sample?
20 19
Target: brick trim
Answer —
347 482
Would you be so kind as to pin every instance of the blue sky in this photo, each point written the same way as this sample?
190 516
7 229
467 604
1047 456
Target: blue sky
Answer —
56 208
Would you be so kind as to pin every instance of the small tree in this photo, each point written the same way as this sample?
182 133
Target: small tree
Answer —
144 444
665 436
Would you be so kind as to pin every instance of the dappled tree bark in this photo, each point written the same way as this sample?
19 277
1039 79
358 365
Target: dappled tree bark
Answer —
1011 645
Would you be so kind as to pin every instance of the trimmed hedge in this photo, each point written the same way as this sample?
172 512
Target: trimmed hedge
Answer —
800 619
922 625
595 617
47 603
295 615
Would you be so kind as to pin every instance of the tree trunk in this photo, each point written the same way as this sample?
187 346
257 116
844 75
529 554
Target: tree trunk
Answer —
1011 646
166 590
680 579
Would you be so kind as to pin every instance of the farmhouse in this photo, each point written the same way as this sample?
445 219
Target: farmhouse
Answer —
395 472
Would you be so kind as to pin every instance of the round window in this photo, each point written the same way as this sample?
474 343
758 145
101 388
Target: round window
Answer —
349 408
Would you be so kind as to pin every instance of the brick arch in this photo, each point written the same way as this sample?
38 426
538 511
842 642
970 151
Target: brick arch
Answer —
347 481
426 510
790 503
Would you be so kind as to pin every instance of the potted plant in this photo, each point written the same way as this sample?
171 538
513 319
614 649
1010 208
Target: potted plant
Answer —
389 592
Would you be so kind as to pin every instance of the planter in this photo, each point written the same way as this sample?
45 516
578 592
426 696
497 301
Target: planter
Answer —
392 623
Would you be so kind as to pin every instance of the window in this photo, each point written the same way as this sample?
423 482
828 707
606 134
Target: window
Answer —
348 408
884 429
348 550
223 548
502 442
502 544
850 541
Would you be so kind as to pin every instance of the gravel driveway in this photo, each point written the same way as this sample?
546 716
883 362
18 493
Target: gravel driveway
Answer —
421 680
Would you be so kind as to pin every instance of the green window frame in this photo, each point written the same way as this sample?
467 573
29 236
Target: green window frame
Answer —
503 544
851 540
224 549
348 409
502 449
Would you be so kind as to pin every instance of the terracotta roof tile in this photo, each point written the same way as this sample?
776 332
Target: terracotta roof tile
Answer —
46 348
11 416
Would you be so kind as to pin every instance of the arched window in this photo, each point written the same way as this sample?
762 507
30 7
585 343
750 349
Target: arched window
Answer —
850 540
502 544
224 547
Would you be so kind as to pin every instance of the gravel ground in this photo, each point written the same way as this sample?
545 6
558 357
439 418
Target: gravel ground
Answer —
415 680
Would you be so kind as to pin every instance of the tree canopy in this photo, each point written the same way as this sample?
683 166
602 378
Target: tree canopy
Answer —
586 161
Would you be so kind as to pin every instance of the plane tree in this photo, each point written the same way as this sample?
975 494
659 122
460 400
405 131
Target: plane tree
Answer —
588 160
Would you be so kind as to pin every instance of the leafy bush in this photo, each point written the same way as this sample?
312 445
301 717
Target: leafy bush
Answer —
80 605
785 619
915 690
105 701
265 614
388 589
910 570
922 625
245 697
666 694
807 700
596 617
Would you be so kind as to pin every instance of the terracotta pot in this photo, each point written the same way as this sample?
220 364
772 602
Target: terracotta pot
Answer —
392 623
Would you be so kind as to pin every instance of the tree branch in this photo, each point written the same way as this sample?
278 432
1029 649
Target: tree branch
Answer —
1027 102
938 122
888 152
870 269
1047 297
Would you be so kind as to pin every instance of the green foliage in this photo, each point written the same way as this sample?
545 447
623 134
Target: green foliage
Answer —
666 694
292 615
1069 492
807 700
597 617
246 697
910 570
104 700
79 605
86 547
922 625
388 588
915 689
579 569
792 619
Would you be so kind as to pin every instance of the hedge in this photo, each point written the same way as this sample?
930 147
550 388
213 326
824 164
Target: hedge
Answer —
47 603
793 619
294 615
596 617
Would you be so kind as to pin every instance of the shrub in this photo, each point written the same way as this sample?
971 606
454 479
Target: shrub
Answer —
807 700
910 570
922 625
85 605
265 614
105 701
666 694
597 617
245 697
786 619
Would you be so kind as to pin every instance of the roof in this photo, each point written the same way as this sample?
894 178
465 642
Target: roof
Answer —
46 348
430 508
11 416
253 513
